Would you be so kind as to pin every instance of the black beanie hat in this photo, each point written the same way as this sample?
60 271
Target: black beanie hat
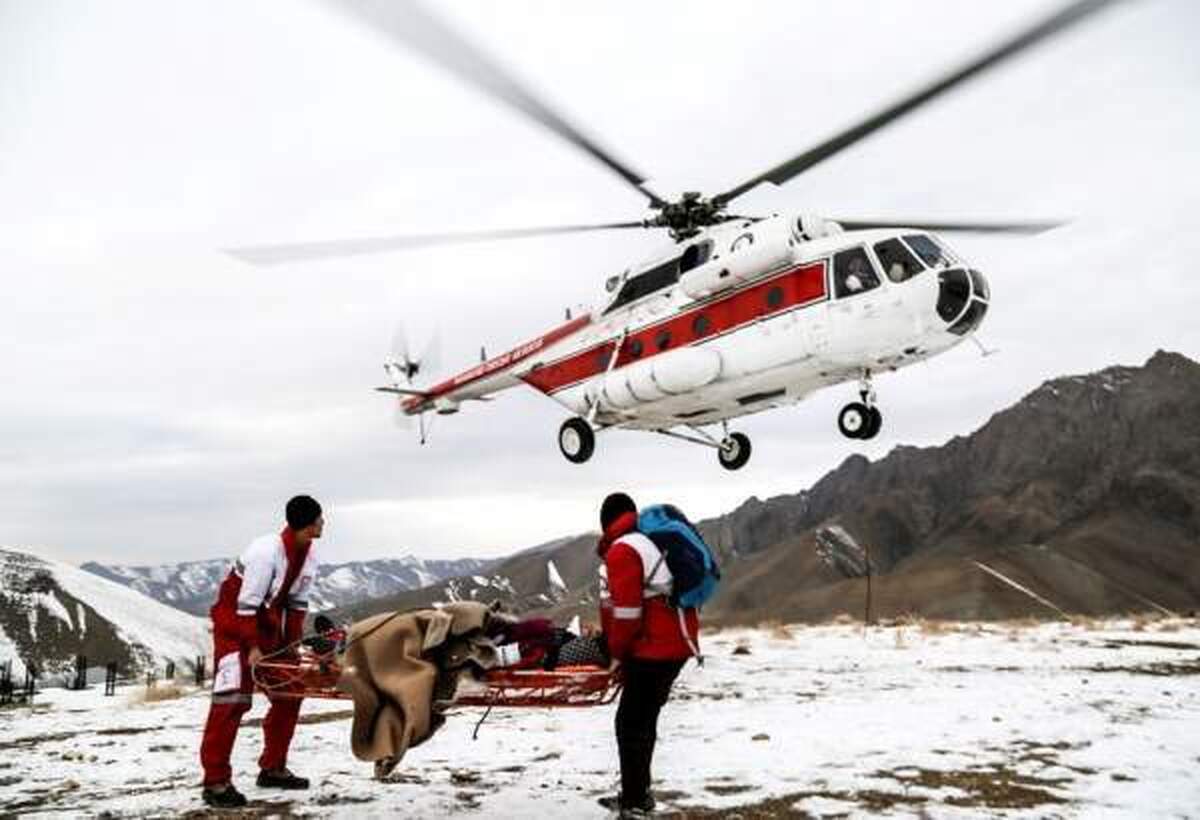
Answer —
302 511
616 505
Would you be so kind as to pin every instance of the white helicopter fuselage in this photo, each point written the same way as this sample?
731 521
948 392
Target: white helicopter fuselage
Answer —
749 316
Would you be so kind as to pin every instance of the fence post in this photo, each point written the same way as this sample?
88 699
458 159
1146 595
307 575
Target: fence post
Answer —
199 670
30 678
110 679
150 678
80 672
6 684
169 674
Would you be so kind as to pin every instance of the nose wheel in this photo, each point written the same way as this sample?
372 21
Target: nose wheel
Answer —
576 440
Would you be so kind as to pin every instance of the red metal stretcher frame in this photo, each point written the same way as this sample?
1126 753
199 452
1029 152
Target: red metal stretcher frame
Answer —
300 672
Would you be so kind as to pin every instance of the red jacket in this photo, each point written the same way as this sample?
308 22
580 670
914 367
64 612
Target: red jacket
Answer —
635 614
264 598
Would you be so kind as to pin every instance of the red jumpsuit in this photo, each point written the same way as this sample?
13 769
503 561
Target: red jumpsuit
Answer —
262 602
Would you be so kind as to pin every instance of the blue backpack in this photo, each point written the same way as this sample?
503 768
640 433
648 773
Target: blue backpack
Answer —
689 559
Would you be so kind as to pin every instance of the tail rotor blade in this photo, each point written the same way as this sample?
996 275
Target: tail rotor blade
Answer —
431 357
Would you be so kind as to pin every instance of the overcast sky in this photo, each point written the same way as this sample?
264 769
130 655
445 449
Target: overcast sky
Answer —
160 400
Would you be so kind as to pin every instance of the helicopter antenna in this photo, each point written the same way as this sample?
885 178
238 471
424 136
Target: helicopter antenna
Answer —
983 351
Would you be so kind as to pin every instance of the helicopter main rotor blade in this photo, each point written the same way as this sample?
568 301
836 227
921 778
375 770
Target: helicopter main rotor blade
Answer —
1026 227
410 24
265 255
1053 24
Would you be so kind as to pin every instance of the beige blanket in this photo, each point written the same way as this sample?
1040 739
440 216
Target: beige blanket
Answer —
391 666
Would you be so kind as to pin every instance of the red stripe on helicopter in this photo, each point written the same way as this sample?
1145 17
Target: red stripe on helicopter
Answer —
498 363
790 290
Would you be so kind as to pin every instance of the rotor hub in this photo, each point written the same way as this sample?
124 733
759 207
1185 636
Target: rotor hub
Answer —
686 216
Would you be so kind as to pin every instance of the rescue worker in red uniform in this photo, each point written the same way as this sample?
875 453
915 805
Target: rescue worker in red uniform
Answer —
260 608
647 637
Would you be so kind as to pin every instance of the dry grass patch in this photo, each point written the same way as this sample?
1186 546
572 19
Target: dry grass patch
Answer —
157 693
776 629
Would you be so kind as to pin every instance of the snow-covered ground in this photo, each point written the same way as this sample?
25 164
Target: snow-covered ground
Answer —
995 720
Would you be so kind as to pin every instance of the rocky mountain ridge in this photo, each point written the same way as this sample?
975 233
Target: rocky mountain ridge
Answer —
1087 491
192 586
50 612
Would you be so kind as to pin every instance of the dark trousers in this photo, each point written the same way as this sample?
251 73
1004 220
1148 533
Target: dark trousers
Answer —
647 687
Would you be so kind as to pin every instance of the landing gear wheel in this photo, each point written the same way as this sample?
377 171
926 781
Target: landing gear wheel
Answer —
875 425
734 451
856 420
576 440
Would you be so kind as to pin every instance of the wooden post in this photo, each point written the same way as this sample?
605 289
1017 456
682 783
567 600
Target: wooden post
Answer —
80 673
867 616
170 673
199 670
110 679
30 687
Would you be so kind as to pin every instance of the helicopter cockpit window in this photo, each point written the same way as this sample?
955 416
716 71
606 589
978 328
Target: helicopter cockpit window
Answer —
647 282
695 256
931 253
897 261
852 273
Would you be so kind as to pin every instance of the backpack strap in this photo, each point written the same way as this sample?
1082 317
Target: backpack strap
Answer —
687 638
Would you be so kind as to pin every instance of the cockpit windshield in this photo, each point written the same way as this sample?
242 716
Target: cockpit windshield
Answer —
897 261
932 254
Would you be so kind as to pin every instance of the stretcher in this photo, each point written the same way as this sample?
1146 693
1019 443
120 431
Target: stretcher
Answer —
302 670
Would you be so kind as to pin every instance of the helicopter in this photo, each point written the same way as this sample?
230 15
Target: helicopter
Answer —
739 314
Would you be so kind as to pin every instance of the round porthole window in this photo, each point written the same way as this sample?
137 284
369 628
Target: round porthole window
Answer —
635 348
775 297
663 340
701 325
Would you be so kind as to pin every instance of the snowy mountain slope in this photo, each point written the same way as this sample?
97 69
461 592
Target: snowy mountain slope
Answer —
192 586
908 721
50 612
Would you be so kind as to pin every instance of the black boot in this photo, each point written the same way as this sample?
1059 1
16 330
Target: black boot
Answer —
617 804
281 779
224 797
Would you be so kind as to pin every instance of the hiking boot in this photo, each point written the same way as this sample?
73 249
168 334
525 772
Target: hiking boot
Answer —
224 797
614 803
281 779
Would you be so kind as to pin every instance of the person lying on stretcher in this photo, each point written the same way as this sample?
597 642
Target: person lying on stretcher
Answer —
536 643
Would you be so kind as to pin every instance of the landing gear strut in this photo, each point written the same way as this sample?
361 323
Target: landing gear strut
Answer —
576 440
733 451
861 419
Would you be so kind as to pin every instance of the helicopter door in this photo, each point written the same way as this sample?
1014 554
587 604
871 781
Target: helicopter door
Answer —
856 307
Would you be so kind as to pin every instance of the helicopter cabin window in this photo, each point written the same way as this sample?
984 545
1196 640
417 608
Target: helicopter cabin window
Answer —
852 273
931 253
897 261
663 340
636 348
701 326
647 282
695 256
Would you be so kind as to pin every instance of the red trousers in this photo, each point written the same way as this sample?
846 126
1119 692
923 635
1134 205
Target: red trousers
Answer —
232 690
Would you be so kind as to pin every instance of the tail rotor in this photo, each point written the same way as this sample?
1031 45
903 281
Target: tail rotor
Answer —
402 370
